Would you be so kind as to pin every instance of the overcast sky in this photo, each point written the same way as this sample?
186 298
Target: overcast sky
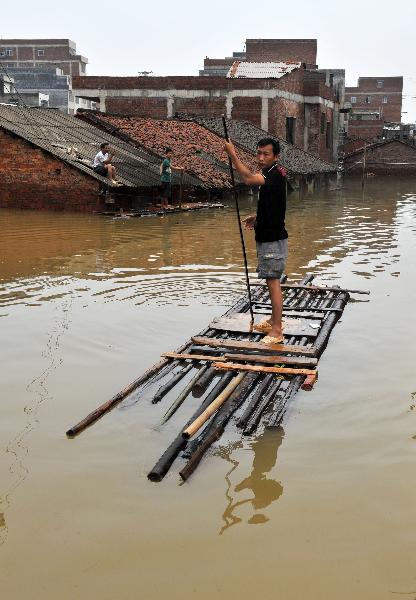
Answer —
366 37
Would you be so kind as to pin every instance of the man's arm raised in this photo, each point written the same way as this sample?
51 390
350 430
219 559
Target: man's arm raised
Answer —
246 175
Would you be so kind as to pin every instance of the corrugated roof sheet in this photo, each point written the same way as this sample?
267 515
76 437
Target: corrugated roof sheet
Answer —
261 70
246 135
77 142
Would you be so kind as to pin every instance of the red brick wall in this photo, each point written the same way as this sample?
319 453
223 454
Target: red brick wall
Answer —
31 178
247 109
140 107
258 50
379 160
368 130
279 109
207 106
291 82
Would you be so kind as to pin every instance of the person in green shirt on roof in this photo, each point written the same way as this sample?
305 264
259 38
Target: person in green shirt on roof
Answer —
166 177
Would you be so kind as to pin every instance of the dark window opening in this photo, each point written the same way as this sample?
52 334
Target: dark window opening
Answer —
328 135
291 130
323 122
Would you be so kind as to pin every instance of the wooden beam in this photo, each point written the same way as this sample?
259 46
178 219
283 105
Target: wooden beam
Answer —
222 366
240 345
263 358
176 355
255 358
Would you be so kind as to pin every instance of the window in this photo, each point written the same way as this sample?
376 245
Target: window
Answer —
290 130
9 51
368 99
41 52
323 122
380 83
385 99
353 99
328 135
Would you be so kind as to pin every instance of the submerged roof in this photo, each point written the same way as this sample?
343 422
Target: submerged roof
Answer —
246 135
380 144
261 70
194 146
77 142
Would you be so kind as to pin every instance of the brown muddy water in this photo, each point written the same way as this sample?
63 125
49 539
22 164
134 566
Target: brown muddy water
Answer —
324 509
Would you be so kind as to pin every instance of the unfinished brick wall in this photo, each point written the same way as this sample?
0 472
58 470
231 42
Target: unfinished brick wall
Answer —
206 106
247 109
279 110
31 178
140 107
368 130
266 50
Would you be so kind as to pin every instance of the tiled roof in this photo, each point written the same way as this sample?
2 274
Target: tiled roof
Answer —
371 146
76 143
260 70
195 148
246 135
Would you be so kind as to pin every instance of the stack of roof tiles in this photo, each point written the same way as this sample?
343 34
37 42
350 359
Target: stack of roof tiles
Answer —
195 148
246 135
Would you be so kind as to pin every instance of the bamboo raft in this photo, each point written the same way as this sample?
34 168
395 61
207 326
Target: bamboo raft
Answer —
234 376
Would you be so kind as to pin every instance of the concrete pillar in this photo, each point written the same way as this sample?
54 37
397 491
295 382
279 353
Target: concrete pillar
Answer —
102 101
265 114
307 122
169 103
228 106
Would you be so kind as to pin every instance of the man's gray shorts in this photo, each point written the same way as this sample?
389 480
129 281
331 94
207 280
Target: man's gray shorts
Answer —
271 259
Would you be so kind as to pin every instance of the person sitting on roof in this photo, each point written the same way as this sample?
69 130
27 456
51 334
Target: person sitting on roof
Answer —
166 177
102 163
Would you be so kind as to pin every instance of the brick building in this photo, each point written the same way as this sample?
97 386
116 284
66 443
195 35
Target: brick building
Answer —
374 101
299 106
23 53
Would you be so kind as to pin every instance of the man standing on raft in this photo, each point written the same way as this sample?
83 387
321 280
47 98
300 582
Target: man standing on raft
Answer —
269 226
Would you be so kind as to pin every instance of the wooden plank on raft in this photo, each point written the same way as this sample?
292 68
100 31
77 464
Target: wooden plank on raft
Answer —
312 288
240 345
256 358
184 356
241 323
226 366
303 361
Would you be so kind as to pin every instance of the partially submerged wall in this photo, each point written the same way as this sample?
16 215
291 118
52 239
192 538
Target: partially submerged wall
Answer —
33 179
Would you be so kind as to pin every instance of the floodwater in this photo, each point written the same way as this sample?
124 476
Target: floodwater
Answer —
324 509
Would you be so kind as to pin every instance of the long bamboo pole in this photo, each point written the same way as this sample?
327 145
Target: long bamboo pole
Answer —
237 208
213 407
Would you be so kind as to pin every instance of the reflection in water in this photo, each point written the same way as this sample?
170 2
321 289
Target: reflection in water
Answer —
38 388
264 490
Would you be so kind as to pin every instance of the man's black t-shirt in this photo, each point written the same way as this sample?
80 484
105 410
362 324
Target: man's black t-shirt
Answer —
271 208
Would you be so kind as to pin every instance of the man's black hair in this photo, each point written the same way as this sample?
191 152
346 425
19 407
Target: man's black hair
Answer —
273 143
103 145
168 150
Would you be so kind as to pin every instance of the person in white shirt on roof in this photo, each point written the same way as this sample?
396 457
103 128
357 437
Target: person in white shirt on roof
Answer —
102 163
